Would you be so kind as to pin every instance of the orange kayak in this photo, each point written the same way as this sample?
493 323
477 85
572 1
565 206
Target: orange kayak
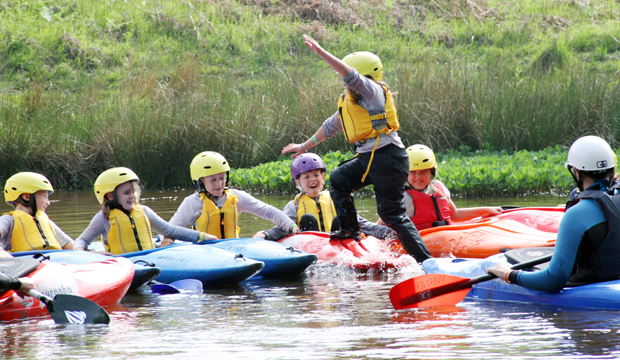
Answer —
481 239
369 253
540 218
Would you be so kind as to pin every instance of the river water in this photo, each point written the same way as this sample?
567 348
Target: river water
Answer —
328 313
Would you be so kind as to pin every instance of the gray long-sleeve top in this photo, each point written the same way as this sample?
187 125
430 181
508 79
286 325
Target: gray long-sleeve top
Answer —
191 209
100 226
6 232
373 100
368 227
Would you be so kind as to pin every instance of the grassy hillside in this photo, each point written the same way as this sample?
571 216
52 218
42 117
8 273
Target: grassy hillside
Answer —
86 84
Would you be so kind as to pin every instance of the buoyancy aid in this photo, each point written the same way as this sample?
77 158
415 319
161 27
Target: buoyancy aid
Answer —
219 222
32 233
359 125
430 209
129 233
322 208
597 259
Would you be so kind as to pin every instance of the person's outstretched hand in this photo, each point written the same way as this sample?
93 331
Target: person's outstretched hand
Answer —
312 44
297 148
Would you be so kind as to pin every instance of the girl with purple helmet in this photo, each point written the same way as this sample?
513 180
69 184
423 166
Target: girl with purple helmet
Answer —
313 209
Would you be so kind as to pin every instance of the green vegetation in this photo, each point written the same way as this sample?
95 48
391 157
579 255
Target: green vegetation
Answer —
463 171
87 84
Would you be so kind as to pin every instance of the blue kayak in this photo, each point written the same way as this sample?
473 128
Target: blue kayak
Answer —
604 295
142 275
212 266
280 260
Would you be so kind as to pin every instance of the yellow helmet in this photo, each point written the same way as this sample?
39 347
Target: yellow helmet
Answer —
25 183
421 157
208 163
366 63
110 179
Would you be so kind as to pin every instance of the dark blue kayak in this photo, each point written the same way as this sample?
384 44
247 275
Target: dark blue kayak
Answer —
604 295
142 275
280 260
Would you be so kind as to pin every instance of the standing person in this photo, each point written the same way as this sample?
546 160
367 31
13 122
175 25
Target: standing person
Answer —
28 227
427 200
313 209
587 247
124 224
367 117
214 208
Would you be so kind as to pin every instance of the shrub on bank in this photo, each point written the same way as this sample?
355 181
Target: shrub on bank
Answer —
465 172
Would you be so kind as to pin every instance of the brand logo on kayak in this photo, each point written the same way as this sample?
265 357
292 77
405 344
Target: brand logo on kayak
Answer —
425 295
75 317
601 164
64 290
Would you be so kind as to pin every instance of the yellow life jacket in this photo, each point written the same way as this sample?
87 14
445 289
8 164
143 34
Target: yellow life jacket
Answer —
129 233
32 233
219 222
357 122
323 209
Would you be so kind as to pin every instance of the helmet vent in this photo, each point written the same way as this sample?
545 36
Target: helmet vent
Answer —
376 69
14 189
425 160
208 167
122 174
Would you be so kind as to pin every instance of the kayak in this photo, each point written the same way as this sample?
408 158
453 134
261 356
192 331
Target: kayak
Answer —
280 260
540 218
368 254
211 265
143 272
604 295
104 282
480 239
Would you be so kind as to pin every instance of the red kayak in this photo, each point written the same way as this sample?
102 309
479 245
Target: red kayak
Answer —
104 282
540 218
369 253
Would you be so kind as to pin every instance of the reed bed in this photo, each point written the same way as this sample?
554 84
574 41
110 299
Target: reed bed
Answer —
87 85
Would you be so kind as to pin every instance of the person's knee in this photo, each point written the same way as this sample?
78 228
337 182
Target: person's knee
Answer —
308 223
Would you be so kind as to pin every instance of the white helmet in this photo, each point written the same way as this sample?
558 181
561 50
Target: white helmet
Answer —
591 153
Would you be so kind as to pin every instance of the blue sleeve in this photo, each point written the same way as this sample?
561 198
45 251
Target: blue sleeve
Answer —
576 221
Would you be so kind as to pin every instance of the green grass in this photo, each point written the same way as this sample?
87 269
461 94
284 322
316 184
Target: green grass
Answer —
86 85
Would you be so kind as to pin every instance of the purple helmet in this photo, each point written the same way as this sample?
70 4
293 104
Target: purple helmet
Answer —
306 162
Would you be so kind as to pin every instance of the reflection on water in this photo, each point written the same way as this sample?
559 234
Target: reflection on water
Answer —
328 313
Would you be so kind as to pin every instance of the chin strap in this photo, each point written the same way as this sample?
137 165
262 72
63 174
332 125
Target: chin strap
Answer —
579 182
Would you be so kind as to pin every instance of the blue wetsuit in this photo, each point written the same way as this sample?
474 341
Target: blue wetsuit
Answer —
577 221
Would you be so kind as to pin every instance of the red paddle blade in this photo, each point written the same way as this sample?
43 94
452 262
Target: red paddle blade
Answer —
429 290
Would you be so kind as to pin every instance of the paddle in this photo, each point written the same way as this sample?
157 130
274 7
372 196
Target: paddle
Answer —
71 309
439 289
185 285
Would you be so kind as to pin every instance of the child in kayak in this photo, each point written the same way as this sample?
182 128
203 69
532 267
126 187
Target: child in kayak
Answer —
587 246
367 117
214 208
123 223
313 209
427 200
28 227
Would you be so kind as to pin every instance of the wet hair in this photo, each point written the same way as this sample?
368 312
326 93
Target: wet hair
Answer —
113 204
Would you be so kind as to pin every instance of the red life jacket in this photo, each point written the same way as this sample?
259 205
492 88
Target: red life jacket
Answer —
430 210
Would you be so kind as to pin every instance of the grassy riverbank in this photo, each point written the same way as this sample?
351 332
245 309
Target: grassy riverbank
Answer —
465 173
86 85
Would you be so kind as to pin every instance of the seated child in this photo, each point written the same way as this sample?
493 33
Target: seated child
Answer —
428 200
214 208
313 209
28 227
124 224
